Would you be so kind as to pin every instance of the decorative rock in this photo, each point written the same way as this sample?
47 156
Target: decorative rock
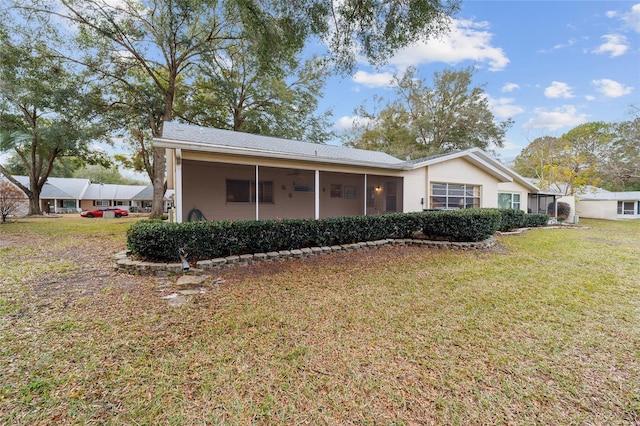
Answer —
205 264
191 292
190 280
123 263
174 267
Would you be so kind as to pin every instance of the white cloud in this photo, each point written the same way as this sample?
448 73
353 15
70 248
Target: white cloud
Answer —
590 98
611 14
632 19
504 107
565 116
558 89
569 43
611 88
466 41
509 87
98 148
615 45
373 80
346 122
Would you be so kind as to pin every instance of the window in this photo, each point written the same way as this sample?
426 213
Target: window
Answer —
243 191
508 201
336 190
626 207
101 203
454 196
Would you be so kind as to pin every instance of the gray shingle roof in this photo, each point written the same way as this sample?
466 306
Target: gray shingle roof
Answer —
175 133
102 191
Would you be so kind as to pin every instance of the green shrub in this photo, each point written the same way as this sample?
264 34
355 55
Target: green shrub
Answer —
534 220
461 225
511 219
564 210
160 241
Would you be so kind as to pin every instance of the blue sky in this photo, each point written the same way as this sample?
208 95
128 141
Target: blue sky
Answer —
549 65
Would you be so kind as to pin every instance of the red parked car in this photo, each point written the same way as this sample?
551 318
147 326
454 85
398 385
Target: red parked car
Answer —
100 212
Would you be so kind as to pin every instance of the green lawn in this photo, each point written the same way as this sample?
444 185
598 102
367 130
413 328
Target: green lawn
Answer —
543 329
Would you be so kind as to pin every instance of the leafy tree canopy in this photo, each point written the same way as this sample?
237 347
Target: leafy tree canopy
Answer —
46 109
594 153
423 121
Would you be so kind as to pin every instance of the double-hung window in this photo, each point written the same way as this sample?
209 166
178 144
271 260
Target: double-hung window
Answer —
508 200
454 196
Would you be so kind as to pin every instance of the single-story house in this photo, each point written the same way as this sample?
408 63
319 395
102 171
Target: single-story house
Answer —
219 174
599 203
69 195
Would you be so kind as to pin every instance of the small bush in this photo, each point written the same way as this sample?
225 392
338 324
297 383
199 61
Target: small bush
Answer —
461 225
534 220
564 210
511 219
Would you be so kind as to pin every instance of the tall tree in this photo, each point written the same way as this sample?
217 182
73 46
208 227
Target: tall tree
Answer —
233 90
536 159
422 121
164 38
46 109
572 162
621 170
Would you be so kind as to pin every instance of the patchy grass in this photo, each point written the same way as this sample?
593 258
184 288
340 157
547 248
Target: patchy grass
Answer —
543 330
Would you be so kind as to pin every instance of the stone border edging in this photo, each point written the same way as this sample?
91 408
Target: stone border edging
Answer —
124 263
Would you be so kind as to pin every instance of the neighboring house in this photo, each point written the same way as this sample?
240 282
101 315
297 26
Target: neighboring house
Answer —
220 174
128 197
20 206
599 203
69 195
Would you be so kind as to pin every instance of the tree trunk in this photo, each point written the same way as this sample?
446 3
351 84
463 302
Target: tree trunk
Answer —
34 203
159 166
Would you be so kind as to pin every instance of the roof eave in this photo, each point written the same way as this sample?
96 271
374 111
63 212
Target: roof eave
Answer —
221 149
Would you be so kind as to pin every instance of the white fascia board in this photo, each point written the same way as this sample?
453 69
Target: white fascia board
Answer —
439 159
219 149
490 167
517 177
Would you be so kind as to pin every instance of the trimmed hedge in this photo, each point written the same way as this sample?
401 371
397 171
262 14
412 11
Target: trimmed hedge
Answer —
534 220
462 225
160 241
511 219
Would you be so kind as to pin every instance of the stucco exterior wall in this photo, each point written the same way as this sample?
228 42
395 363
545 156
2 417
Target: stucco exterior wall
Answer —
600 209
415 190
462 172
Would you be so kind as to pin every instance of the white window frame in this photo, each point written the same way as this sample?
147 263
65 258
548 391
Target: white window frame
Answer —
452 200
514 204
625 211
